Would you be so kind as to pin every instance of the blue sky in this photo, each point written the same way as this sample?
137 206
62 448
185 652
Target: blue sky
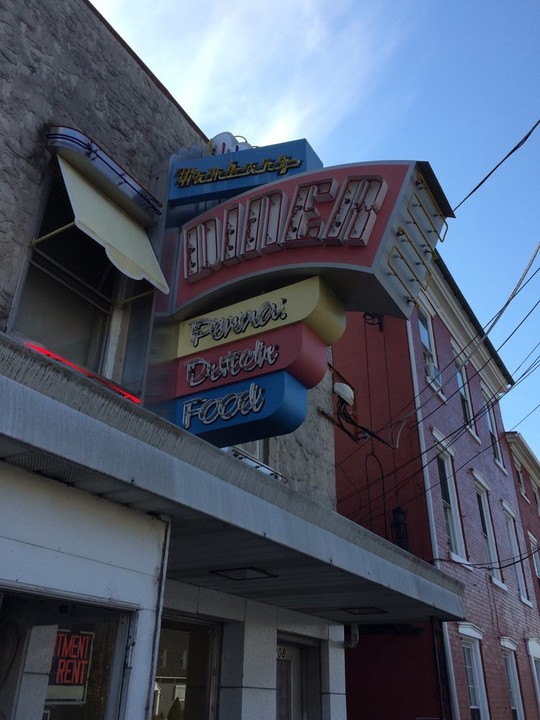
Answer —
454 83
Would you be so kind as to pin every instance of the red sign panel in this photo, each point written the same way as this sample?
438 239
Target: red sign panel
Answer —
294 348
70 666
369 230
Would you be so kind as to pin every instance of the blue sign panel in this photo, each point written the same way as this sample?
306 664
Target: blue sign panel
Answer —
222 176
274 404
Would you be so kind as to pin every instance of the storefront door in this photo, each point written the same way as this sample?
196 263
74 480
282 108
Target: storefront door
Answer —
289 683
186 677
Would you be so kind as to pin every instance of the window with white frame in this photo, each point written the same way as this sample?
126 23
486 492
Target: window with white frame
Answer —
533 542
433 373
486 525
514 689
76 305
491 421
536 496
516 559
464 394
520 479
474 672
450 505
533 645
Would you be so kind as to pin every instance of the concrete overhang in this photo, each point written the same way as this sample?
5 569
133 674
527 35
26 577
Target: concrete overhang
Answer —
233 529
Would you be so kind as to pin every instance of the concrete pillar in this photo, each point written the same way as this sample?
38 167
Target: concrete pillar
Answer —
248 678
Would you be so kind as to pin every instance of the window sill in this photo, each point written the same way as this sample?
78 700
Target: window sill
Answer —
499 464
461 561
436 389
473 434
499 583
525 601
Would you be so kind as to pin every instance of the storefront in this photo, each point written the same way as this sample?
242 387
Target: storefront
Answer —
145 573
79 600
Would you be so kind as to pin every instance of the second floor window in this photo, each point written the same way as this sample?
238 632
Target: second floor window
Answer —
75 303
492 429
451 514
464 394
534 554
433 373
488 533
516 704
516 558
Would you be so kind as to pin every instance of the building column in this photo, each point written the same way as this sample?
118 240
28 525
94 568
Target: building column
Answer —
248 676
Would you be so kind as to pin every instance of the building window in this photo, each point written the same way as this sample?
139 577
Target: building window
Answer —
514 690
77 305
492 429
534 554
464 394
536 496
450 505
520 479
534 654
516 561
474 673
486 527
60 659
433 374
187 671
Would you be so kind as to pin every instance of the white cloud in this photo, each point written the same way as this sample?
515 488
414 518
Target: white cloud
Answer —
269 71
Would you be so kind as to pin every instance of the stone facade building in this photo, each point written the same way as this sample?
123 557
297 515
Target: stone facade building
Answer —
143 572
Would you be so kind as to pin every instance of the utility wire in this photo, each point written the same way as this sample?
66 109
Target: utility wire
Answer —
476 339
512 151
526 358
451 438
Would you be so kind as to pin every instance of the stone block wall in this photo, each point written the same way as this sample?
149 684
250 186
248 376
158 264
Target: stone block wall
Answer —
60 63
306 457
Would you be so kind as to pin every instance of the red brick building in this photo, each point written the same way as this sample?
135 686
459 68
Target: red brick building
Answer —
422 460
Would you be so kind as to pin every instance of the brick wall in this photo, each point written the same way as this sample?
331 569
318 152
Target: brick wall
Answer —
372 479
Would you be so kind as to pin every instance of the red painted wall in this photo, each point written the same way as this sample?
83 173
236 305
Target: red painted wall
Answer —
393 676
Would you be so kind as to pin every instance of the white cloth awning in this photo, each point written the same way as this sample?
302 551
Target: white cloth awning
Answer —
126 243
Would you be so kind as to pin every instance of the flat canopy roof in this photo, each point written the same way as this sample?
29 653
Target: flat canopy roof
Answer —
233 529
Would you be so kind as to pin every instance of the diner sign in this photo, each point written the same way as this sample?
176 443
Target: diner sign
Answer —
273 404
221 176
369 230
308 301
266 276
295 348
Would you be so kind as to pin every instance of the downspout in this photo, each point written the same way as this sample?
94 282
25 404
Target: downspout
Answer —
159 610
431 514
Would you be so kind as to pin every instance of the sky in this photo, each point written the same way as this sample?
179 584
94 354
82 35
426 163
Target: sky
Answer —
455 83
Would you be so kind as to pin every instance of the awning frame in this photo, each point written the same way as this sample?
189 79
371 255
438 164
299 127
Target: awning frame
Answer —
125 241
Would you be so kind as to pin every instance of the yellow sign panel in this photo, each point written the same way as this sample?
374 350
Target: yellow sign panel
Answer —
309 301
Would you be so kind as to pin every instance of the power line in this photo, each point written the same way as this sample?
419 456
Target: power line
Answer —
476 339
512 151
451 438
